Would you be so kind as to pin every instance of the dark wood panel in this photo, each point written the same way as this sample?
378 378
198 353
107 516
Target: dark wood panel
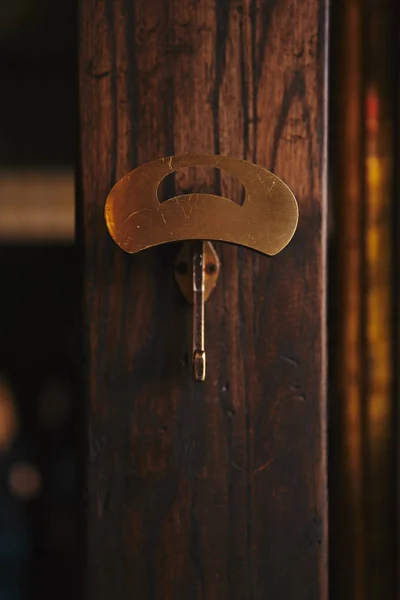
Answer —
215 490
38 56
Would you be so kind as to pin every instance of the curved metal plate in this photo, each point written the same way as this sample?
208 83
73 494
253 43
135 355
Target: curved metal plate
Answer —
137 220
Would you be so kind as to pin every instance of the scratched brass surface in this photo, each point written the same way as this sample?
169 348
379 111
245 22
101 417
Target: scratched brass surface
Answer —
137 220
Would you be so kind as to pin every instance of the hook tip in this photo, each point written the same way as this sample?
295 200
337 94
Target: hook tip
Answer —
199 365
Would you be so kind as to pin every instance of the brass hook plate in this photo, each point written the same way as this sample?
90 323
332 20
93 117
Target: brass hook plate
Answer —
137 220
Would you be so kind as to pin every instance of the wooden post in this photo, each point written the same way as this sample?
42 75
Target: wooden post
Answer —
363 407
214 490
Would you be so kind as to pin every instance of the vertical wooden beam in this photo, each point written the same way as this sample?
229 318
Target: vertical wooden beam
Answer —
362 410
218 490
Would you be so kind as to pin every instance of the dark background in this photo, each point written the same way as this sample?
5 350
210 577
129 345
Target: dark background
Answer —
39 306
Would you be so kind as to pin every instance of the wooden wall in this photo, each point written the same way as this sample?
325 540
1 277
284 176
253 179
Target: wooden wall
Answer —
218 490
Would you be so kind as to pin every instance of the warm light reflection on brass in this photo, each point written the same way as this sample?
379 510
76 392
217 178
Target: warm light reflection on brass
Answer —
137 220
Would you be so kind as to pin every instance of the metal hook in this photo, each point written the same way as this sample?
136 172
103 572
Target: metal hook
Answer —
199 353
196 272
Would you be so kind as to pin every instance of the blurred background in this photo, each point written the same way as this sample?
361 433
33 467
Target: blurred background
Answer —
40 352
40 304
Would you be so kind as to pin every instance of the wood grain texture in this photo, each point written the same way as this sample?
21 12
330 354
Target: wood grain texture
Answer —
210 491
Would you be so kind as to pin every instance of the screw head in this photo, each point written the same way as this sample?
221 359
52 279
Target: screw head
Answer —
181 268
211 268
